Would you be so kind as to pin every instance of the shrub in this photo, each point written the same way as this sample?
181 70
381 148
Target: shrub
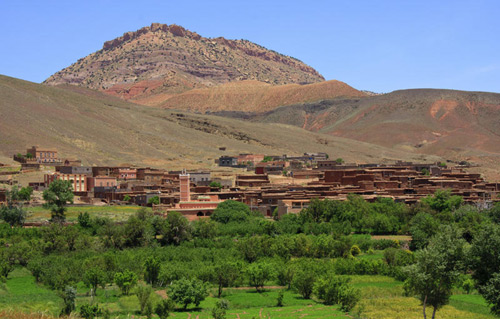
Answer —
279 299
355 251
164 308
328 289
348 297
219 311
143 293
88 311
84 220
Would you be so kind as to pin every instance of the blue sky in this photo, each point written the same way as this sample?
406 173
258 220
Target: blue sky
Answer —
372 45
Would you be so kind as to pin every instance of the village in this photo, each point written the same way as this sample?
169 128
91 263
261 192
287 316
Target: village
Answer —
272 185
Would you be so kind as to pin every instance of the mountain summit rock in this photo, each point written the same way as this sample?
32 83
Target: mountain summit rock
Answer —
163 60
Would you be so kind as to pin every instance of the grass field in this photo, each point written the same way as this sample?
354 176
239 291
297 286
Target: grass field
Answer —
116 213
382 297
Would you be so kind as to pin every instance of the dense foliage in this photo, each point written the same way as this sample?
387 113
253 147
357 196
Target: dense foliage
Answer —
312 252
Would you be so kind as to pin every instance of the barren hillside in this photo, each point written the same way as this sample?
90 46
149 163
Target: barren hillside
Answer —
456 125
105 130
254 96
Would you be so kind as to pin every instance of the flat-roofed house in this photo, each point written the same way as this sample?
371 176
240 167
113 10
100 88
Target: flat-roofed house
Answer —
43 155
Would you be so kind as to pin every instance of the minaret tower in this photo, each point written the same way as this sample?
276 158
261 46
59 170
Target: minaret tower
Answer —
184 186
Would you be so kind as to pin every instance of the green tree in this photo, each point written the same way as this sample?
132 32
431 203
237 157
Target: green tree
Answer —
231 211
151 270
339 161
127 198
303 281
267 159
484 261
13 213
125 281
93 278
56 197
258 273
154 200
215 184
225 275
143 293
205 228
422 227
177 229
164 308
188 291
437 269
443 201
25 193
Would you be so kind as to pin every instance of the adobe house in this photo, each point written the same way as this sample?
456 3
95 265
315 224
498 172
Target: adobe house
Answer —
77 170
43 155
101 171
200 178
127 173
101 181
252 180
72 162
78 181
252 158
228 161
154 177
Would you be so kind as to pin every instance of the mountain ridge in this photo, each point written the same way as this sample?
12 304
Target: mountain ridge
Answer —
104 130
172 59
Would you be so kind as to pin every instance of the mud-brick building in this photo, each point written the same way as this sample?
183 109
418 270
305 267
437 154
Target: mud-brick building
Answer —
43 155
78 181
252 180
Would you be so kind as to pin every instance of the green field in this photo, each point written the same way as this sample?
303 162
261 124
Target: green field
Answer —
116 213
381 298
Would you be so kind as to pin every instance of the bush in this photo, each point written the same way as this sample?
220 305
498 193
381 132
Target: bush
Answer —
88 311
348 297
219 311
328 289
279 299
68 296
84 220
143 293
164 308
355 251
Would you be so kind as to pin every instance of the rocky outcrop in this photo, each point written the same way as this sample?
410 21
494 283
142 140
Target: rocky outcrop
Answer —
175 60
